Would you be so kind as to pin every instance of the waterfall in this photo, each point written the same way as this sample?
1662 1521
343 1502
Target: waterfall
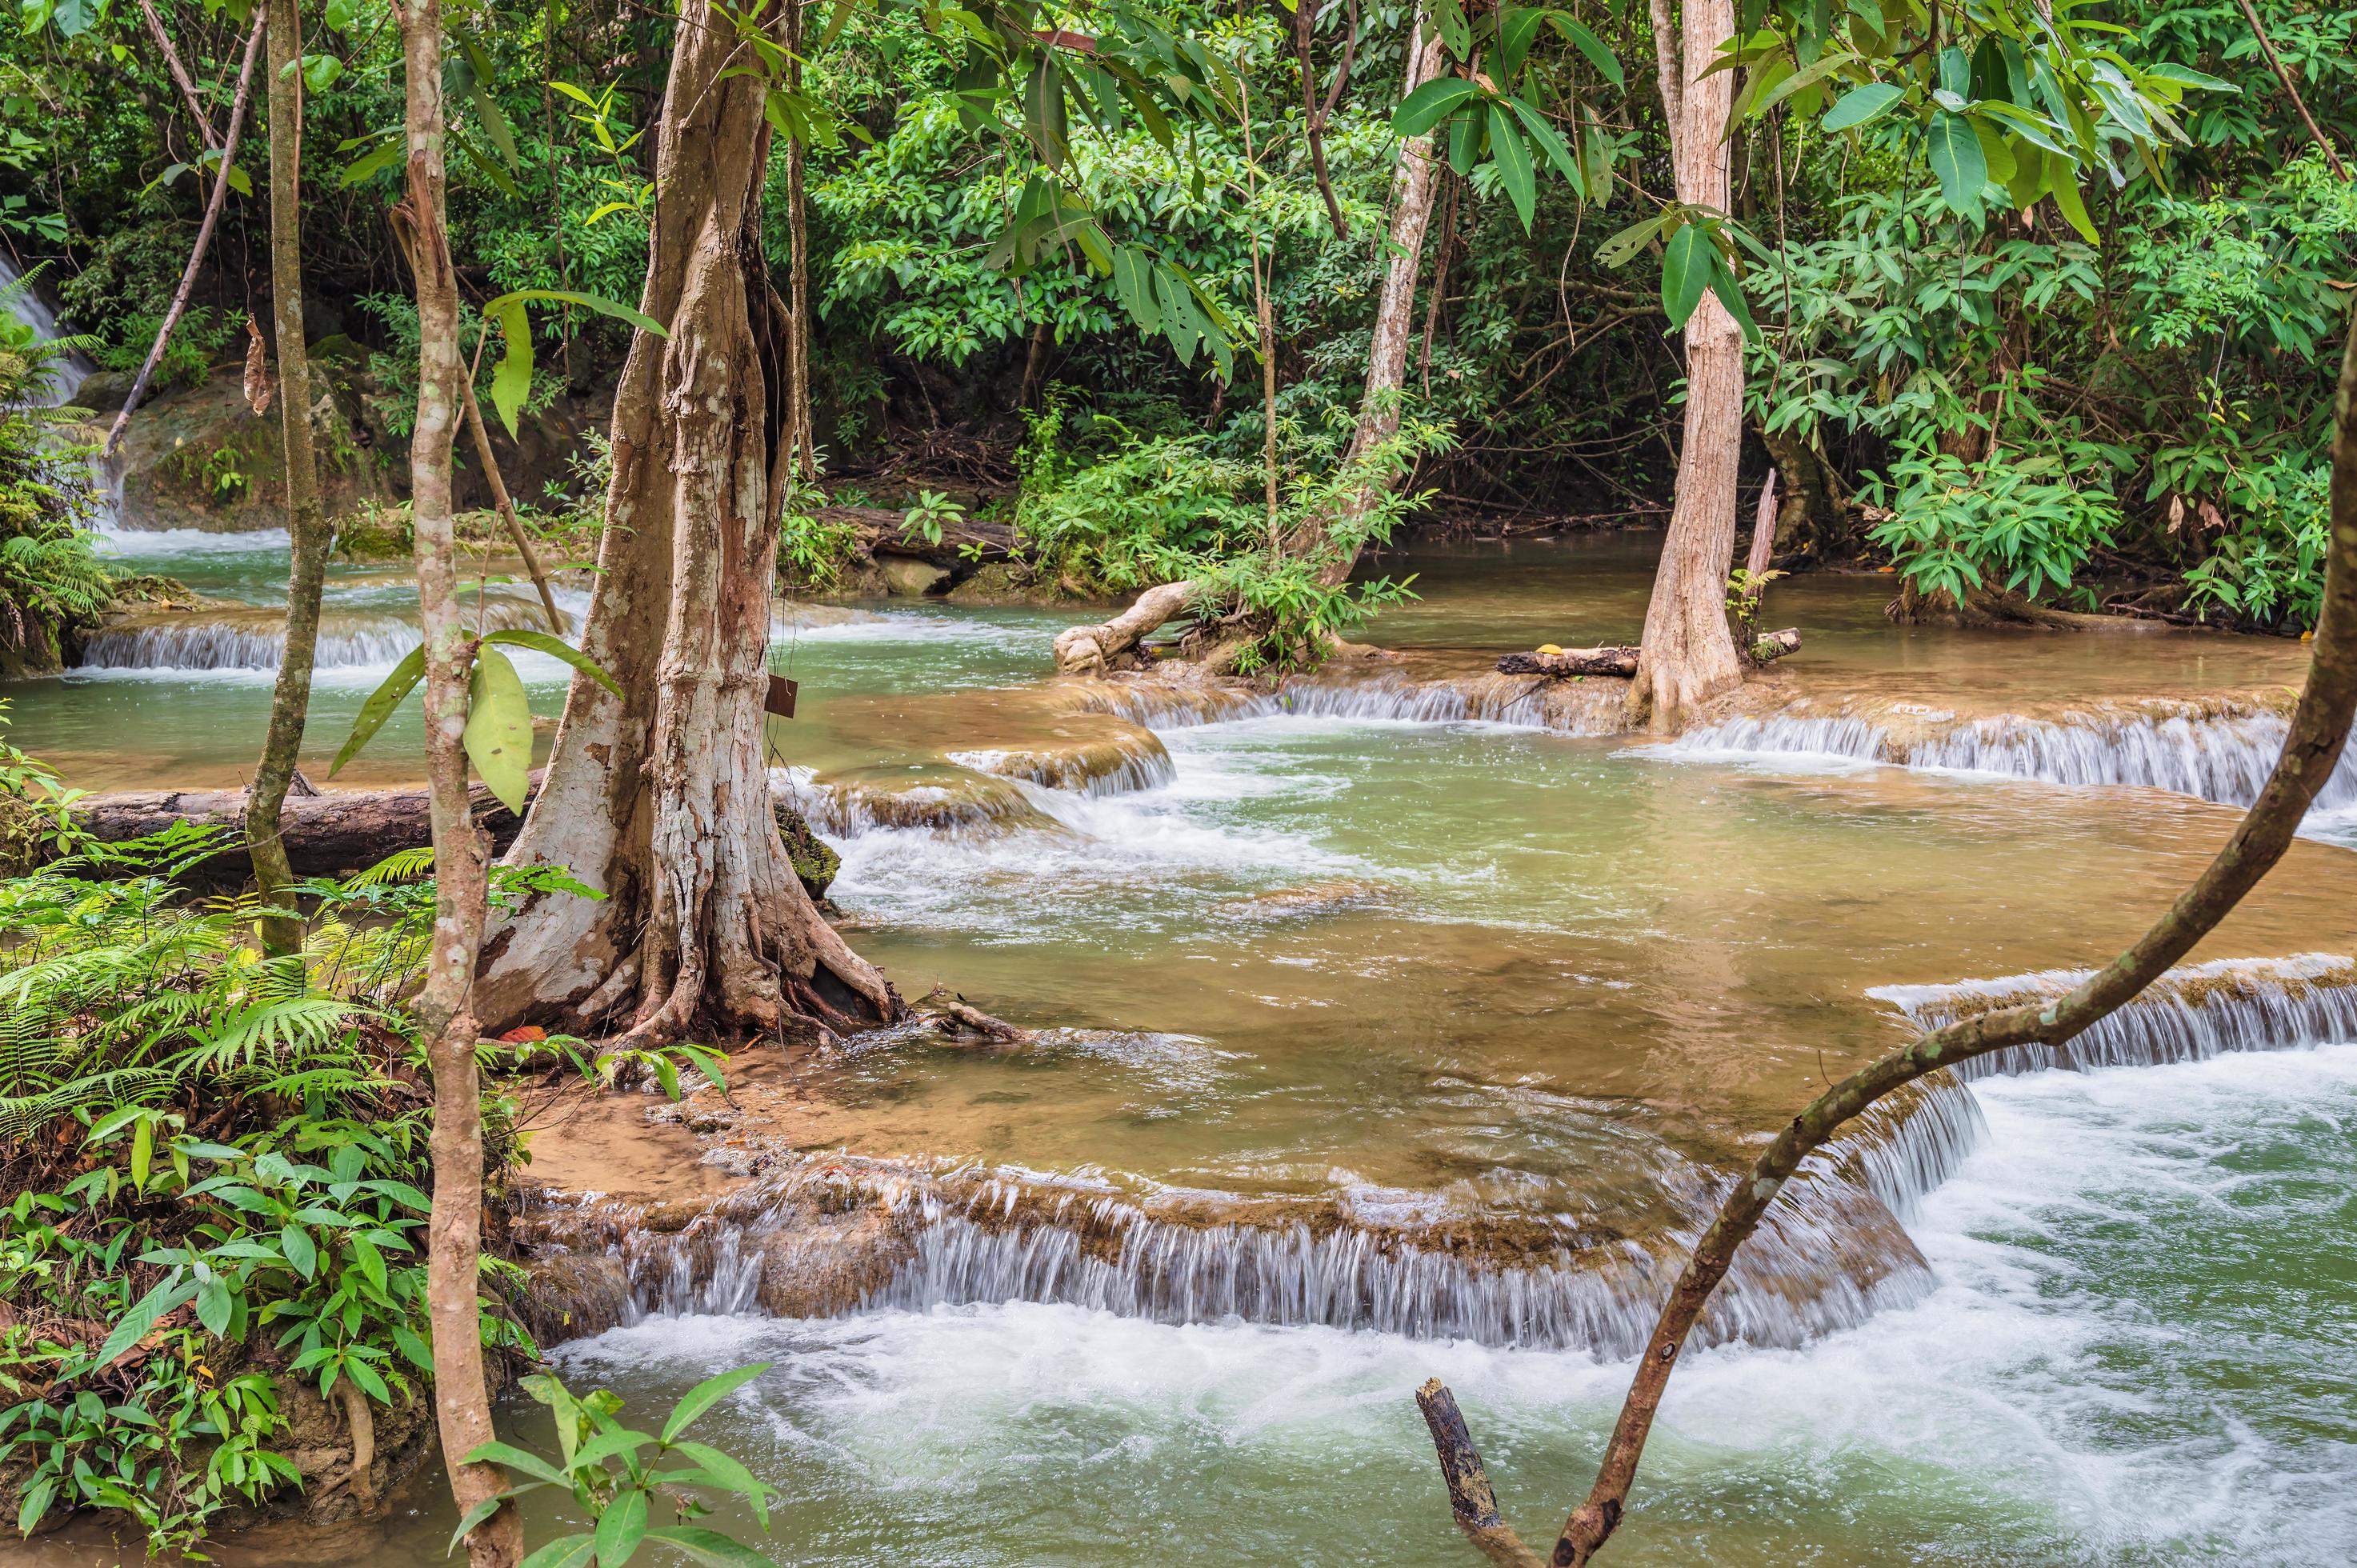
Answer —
256 638
2189 1013
824 1242
72 366
2216 755
1121 764
1523 702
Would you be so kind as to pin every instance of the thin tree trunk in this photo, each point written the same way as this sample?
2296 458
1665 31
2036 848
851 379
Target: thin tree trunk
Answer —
1690 656
204 234
802 439
2318 730
2291 90
505 506
660 797
1414 185
1266 317
306 523
1096 648
445 1008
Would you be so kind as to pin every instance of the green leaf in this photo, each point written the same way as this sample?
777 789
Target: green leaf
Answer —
564 1552
498 728
380 705
1729 289
35 1505
389 151
1551 141
1517 28
555 648
1513 158
295 1243
366 1376
141 1318
621 1526
512 377
213 1305
1622 248
2065 188
596 302
724 1472
143 1152
706 1394
1420 111
1685 272
1863 106
1607 64
477 1515
419 1354
710 1547
1956 159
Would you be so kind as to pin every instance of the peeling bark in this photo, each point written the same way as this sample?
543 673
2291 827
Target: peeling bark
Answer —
1690 656
659 799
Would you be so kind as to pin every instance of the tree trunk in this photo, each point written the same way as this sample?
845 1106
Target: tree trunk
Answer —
306 523
1413 186
802 437
1414 182
445 1007
659 799
1690 656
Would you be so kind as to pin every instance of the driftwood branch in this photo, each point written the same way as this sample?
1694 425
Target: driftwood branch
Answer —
1611 658
2319 730
204 233
1621 659
1470 1497
1085 649
324 835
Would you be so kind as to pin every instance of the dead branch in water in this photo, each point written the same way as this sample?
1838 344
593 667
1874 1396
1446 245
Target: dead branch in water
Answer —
1621 659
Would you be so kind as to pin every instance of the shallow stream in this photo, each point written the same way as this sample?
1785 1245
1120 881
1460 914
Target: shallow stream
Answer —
1439 973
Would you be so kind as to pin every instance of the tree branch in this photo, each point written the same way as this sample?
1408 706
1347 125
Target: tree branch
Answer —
179 74
204 233
2318 729
2290 90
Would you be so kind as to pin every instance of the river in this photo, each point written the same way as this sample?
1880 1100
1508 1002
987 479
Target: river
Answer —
1435 972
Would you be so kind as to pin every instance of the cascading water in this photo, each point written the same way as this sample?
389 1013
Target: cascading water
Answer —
71 367
256 638
2191 1014
2220 756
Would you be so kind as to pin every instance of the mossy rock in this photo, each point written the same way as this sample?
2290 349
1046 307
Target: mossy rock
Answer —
815 864
203 459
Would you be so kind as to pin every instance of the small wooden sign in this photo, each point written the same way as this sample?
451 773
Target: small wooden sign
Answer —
780 700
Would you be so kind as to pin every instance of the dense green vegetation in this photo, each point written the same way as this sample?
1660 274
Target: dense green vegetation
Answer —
2139 404
2015 314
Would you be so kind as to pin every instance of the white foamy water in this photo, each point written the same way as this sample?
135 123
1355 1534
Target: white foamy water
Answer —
2112 1369
2225 758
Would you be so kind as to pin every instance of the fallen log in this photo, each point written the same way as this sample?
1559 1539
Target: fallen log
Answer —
346 832
326 835
965 541
1612 659
1621 659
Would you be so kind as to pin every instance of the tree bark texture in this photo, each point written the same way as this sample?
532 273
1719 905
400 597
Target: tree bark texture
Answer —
204 235
1690 655
659 799
1414 182
2319 730
306 523
445 1007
